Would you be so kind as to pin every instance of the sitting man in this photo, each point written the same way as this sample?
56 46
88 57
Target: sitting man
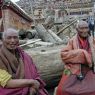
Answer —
18 74
78 77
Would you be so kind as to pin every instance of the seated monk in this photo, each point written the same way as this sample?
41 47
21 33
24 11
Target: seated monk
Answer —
78 77
18 73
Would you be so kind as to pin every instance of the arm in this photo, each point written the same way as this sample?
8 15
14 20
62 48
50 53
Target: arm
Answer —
15 83
71 55
7 81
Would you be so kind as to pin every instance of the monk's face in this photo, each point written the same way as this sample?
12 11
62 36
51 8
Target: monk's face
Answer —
83 31
11 41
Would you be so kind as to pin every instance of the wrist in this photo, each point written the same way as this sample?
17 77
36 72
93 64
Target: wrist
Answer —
30 82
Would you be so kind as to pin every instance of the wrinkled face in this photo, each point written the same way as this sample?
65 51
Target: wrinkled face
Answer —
11 41
83 31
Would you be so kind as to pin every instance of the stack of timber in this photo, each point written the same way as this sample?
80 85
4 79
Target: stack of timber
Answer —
47 35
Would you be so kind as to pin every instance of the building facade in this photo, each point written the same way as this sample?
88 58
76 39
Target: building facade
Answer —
71 7
13 16
78 7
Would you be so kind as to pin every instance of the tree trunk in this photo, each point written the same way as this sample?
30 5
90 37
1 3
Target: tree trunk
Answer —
49 64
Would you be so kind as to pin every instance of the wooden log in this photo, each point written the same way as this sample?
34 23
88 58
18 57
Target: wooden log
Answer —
49 64
31 42
60 31
47 35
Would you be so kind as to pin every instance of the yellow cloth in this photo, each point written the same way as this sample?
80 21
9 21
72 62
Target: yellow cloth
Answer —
4 77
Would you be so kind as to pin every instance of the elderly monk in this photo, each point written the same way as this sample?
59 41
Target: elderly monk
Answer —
18 73
78 77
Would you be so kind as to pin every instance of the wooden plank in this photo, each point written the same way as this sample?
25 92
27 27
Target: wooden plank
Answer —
31 42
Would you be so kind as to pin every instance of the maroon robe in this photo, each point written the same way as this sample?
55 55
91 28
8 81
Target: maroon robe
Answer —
75 53
8 62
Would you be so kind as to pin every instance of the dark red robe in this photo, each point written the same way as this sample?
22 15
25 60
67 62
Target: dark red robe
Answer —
76 54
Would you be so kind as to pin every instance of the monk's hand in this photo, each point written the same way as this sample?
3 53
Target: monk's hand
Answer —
35 84
32 91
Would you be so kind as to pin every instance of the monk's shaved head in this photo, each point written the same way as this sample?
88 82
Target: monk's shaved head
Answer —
82 24
10 39
10 32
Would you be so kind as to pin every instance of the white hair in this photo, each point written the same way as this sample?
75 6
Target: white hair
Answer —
8 32
82 23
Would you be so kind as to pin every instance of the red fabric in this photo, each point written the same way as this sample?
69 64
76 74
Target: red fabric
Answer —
72 55
75 53
30 72
84 44
59 90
